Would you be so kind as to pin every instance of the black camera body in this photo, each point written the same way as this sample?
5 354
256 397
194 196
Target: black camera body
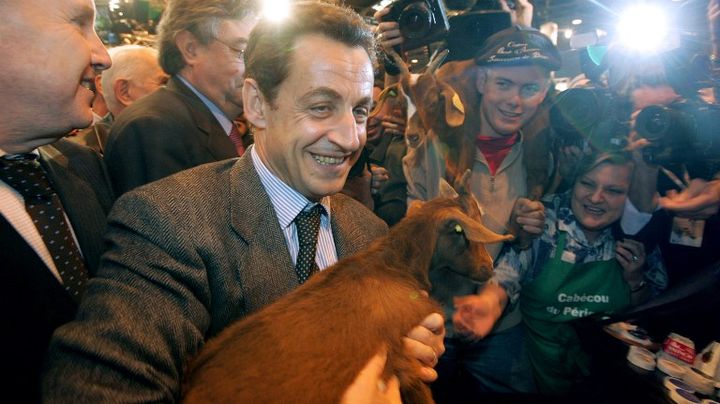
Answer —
591 116
681 132
468 31
421 21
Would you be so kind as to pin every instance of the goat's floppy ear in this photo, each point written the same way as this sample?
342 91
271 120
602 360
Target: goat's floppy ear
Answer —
414 207
446 190
454 108
475 231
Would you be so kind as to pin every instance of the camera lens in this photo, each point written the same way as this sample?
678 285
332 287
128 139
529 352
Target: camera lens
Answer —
415 21
653 122
575 110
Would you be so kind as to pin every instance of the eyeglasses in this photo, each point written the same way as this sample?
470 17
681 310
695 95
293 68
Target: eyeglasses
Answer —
238 53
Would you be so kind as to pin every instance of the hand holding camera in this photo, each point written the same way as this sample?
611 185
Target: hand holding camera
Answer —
387 32
418 22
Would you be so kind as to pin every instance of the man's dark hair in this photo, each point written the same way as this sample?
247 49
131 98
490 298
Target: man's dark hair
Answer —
271 45
201 18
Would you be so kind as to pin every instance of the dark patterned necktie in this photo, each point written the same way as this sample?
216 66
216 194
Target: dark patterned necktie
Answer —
307 223
24 173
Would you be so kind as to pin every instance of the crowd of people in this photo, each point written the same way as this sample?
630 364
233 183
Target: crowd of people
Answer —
169 190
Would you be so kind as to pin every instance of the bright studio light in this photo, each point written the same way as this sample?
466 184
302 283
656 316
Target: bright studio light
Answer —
276 10
643 28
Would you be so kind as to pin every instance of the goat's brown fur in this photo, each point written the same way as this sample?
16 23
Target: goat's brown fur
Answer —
309 346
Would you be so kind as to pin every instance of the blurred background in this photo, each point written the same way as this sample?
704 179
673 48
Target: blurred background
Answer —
576 26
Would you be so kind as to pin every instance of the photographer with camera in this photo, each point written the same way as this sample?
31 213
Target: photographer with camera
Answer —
701 198
390 35
678 164
674 134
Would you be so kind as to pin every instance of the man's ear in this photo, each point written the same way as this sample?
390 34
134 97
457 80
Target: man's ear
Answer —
121 88
480 79
188 45
254 104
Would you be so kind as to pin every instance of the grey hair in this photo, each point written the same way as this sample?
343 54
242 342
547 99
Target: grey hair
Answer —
202 19
128 63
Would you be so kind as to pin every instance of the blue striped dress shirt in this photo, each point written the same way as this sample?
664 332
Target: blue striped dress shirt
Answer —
288 203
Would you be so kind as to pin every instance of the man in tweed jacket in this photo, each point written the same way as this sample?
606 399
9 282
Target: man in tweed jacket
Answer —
195 251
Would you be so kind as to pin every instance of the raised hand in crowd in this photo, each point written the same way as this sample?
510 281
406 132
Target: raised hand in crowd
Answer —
714 24
476 315
522 14
527 221
631 256
380 176
387 32
700 200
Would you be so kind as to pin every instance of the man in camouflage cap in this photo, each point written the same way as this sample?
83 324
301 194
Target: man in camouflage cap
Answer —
512 78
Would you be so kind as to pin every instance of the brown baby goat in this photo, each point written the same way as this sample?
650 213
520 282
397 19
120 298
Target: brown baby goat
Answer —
309 346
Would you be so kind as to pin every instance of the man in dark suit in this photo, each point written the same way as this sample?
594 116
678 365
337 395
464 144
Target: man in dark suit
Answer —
195 251
190 121
44 94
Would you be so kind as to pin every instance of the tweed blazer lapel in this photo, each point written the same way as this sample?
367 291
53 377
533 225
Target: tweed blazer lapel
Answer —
218 143
350 238
267 271
260 214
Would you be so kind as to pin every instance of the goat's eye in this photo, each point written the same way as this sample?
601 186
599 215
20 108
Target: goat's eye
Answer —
458 229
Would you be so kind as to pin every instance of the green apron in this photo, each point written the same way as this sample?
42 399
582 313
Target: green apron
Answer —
563 292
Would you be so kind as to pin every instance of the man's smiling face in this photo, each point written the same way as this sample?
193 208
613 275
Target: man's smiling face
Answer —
315 128
510 97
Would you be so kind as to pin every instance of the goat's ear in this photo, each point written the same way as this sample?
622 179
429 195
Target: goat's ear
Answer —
464 183
475 231
436 60
454 108
414 207
470 205
446 190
